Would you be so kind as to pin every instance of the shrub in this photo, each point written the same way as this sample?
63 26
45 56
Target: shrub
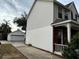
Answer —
70 51
29 44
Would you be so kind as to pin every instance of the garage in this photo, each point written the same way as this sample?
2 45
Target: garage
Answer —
16 36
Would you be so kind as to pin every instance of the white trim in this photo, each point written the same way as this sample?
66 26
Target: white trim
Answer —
60 44
52 38
69 32
62 22
75 22
58 53
61 37
67 21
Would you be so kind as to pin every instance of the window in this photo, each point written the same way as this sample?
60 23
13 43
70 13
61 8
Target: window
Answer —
59 37
59 12
66 15
75 16
71 15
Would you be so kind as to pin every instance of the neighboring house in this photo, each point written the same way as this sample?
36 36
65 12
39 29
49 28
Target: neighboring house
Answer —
51 25
16 36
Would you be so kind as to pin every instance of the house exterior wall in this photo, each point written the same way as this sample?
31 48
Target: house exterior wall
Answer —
39 29
41 38
71 8
56 12
63 12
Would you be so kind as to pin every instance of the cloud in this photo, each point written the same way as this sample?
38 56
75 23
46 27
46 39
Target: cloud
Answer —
15 6
9 9
10 4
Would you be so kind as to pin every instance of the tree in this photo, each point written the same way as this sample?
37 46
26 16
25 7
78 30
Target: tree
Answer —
21 22
72 51
5 29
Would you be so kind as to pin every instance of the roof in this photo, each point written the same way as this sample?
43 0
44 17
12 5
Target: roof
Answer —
65 6
60 4
73 5
17 32
68 4
58 20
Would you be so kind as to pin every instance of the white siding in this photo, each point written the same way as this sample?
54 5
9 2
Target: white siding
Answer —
41 15
39 30
41 38
72 8
16 36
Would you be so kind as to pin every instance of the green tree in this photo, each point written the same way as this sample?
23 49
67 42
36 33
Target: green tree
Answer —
21 21
5 29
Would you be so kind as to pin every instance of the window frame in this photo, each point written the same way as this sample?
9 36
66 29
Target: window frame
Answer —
60 12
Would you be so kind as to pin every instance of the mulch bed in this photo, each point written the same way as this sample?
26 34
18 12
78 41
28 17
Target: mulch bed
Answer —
7 51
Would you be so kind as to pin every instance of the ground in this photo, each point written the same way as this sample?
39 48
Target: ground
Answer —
33 53
7 51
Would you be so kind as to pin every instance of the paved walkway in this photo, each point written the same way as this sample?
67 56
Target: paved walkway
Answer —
30 52
33 53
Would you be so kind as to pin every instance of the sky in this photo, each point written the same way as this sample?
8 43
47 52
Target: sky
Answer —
68 1
9 9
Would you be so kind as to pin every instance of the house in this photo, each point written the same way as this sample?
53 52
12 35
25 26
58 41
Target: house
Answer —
51 25
16 36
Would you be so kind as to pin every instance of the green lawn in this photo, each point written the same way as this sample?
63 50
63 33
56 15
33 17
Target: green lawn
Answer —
7 51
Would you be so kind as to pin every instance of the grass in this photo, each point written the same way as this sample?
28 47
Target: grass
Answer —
7 51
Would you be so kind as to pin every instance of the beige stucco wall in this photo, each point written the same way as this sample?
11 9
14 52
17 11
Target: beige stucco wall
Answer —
39 29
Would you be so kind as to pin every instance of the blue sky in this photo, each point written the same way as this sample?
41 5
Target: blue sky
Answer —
9 9
68 1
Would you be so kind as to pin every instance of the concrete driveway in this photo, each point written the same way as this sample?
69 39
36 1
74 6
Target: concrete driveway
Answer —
30 52
33 53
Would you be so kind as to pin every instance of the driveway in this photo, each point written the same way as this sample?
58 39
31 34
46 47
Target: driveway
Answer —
33 53
30 52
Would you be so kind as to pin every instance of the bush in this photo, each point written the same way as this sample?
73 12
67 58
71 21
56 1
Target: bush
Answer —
29 44
0 43
70 51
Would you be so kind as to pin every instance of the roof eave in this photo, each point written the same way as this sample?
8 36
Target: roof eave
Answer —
60 4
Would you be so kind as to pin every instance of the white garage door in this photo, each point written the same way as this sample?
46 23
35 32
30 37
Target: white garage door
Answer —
17 38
